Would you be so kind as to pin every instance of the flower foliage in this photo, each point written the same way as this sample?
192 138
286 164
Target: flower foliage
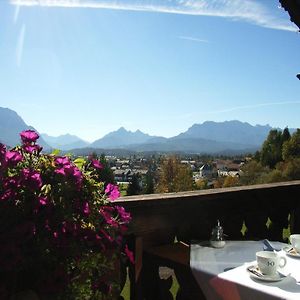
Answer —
60 231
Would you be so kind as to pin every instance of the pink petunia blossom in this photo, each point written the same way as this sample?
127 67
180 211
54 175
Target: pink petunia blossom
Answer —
129 254
32 148
12 182
86 208
112 191
96 164
60 171
29 136
32 179
62 161
106 236
106 212
66 168
13 157
78 178
123 214
8 194
43 200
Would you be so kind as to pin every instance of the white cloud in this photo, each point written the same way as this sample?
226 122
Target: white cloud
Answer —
254 12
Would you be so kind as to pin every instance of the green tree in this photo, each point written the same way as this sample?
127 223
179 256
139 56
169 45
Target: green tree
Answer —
271 152
252 172
134 187
274 175
285 135
174 177
291 148
149 182
291 169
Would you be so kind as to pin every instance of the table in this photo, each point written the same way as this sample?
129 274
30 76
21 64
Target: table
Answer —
221 273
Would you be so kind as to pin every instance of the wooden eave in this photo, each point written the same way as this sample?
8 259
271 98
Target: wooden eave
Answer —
293 8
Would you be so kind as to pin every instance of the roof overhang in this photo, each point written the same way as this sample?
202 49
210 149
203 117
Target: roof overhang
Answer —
293 8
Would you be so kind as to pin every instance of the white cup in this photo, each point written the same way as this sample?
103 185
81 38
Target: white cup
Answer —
295 241
269 262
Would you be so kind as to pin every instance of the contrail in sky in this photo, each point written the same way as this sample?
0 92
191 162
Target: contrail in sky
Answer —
251 106
255 12
20 45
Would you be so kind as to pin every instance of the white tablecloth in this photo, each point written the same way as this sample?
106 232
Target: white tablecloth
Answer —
222 274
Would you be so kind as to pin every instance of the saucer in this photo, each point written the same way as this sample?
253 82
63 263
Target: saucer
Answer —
255 273
290 251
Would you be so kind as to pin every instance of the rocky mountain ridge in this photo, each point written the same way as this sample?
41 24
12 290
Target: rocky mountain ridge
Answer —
209 138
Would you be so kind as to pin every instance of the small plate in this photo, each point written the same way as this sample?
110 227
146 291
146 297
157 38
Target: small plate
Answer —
294 254
255 273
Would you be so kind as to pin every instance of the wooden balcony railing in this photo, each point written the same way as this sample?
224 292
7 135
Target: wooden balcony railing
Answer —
247 212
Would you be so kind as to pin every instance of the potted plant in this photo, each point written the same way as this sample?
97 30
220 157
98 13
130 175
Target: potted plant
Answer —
61 236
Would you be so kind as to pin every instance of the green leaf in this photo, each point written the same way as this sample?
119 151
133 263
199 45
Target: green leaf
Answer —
46 188
79 162
55 152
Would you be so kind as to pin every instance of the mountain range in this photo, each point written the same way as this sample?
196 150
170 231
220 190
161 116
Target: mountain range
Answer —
209 137
11 124
65 142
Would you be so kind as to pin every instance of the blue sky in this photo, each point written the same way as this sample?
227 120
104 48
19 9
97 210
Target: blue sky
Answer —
89 67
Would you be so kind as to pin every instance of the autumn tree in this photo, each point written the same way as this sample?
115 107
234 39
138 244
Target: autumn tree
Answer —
201 184
174 176
230 181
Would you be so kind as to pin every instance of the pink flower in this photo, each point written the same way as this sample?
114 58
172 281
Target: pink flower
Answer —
13 157
129 254
11 182
32 148
43 200
62 161
86 208
66 168
60 171
106 212
8 194
107 237
112 191
123 214
96 164
32 179
69 169
29 136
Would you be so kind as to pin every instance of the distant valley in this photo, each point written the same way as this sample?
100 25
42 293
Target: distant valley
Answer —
229 137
